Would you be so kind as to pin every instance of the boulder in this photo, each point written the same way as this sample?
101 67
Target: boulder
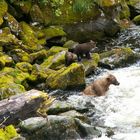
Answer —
39 56
136 20
6 38
5 60
12 23
24 66
27 35
4 8
55 62
54 50
72 76
19 55
91 64
36 14
41 129
9 89
39 73
68 127
119 57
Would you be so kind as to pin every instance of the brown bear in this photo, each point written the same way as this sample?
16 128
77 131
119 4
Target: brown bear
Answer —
100 86
83 49
70 58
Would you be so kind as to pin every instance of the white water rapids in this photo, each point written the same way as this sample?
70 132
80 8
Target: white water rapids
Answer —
120 108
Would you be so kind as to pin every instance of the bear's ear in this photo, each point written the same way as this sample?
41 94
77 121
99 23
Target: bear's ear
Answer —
108 78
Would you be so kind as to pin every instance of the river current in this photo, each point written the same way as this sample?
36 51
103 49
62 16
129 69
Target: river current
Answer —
119 110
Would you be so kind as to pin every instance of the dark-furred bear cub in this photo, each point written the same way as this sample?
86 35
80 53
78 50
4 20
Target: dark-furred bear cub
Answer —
83 49
100 86
70 58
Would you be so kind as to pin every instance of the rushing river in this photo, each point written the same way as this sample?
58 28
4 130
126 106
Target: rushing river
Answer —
120 108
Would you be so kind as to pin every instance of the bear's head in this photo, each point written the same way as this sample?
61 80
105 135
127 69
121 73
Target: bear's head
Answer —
112 79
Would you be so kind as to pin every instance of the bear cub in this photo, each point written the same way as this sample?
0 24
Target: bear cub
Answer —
83 49
70 58
100 86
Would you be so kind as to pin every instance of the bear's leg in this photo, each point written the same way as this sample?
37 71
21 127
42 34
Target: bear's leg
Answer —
88 55
79 57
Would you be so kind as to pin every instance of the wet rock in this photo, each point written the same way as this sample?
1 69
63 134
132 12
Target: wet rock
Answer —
91 64
41 129
75 114
4 8
59 107
12 23
24 66
55 62
72 76
87 130
64 106
119 57
19 55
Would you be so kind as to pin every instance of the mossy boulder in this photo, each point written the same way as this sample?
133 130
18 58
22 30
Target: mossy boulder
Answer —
22 7
36 14
8 133
91 64
12 23
28 37
136 20
55 62
39 74
39 56
53 31
107 3
119 57
72 76
24 66
5 60
19 55
54 50
4 8
70 44
125 11
6 38
8 90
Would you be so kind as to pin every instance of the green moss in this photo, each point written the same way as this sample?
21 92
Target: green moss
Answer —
8 133
53 31
19 55
28 37
72 76
54 50
12 23
136 20
3 10
55 62
24 66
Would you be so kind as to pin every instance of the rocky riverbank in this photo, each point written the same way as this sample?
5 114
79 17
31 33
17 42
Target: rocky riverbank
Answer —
34 38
